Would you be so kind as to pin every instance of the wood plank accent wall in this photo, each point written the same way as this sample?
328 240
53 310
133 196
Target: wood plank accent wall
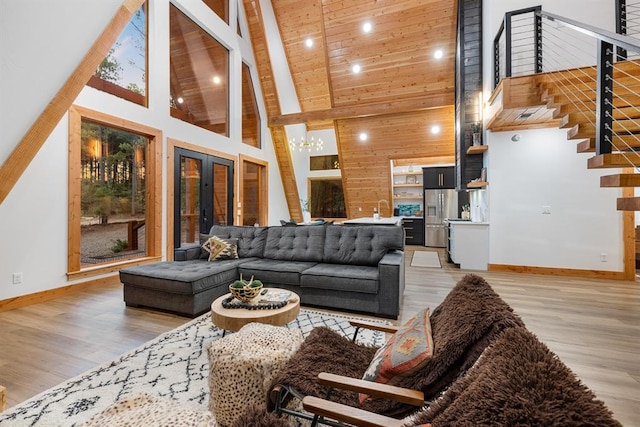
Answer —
366 172
35 137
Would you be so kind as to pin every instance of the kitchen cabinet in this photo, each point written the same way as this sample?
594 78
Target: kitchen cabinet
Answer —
468 244
439 177
413 230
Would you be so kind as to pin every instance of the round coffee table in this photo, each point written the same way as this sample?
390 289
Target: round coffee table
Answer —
232 319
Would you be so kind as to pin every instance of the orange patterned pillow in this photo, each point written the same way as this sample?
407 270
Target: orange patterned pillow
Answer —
406 351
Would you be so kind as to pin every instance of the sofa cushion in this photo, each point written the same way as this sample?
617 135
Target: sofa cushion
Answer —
220 249
348 278
361 245
183 277
251 240
463 325
300 243
273 272
517 381
404 353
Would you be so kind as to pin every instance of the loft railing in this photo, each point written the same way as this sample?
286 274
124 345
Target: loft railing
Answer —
594 69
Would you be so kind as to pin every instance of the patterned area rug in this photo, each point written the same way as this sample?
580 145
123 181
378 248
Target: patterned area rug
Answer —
173 365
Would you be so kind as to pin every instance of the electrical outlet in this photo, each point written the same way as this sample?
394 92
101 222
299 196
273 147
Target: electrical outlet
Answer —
603 257
17 278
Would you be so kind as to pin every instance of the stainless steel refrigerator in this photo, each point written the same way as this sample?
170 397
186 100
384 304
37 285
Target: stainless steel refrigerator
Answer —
438 206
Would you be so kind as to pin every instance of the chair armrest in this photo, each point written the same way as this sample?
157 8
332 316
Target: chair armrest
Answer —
347 414
391 329
399 394
186 253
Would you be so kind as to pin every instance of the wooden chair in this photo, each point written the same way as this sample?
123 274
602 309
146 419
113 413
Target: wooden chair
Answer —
463 325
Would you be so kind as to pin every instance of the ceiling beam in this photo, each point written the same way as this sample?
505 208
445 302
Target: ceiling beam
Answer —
401 106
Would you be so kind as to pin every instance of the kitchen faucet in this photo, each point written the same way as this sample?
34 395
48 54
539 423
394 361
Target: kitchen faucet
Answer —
385 202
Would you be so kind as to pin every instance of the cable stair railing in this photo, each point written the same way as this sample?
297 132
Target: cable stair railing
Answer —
589 78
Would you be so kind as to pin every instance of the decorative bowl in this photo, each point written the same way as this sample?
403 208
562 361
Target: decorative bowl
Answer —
244 291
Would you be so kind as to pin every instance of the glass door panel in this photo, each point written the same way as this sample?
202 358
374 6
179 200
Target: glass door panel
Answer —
190 179
222 211
203 195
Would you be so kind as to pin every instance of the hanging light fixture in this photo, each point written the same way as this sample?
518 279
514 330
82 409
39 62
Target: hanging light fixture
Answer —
308 144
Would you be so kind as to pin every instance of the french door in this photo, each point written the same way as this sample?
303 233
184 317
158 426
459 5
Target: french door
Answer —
203 189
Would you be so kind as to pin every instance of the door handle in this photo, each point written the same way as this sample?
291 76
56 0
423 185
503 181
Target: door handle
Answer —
204 215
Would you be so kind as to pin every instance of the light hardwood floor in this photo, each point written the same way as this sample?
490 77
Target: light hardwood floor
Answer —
592 325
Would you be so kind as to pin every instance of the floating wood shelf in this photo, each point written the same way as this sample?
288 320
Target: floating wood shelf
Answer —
477 149
477 184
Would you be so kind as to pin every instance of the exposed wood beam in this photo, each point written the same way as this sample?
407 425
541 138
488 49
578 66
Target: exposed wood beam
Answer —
287 173
356 111
22 155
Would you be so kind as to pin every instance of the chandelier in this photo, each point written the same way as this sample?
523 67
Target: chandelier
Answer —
307 144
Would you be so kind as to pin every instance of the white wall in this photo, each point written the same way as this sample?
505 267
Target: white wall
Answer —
543 169
33 218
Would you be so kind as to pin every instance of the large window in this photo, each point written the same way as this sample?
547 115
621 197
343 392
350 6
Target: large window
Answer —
123 71
250 114
327 198
199 75
113 190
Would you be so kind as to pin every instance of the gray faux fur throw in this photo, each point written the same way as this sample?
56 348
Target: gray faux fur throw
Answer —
518 381
463 325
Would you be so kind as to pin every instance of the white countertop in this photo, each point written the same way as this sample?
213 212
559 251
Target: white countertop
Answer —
394 220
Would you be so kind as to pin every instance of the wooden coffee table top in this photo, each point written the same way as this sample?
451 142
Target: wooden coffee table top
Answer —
232 319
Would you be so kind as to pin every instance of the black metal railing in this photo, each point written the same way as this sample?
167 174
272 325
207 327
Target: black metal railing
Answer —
589 67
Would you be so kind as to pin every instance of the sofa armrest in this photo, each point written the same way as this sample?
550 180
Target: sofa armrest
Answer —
187 253
347 414
391 291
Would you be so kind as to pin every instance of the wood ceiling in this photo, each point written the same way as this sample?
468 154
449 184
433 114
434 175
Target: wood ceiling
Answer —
402 89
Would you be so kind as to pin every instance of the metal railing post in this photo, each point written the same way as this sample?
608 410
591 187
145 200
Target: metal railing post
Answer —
604 98
621 26
496 55
538 38
507 44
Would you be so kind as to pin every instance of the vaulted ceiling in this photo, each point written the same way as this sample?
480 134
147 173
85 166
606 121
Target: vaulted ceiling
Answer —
400 93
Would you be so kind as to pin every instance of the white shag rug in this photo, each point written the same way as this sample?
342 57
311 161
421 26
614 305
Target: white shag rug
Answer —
174 365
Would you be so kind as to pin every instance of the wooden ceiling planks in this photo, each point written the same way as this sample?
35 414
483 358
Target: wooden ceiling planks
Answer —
401 91
396 57
297 22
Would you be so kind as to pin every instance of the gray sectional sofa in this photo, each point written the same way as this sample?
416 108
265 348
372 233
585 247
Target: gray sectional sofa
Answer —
352 268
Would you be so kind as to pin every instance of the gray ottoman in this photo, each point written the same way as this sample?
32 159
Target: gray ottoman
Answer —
186 287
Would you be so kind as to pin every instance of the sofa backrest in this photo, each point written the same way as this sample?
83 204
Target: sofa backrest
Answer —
299 243
251 240
361 244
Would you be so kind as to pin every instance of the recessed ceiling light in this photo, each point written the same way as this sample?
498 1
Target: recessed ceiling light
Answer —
308 42
363 136
356 68
217 80
180 100
435 129
438 54
366 27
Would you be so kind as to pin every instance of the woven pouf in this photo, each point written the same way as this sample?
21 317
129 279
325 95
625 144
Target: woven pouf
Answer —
242 365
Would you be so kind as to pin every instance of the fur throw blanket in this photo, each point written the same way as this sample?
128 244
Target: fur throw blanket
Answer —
517 381
464 324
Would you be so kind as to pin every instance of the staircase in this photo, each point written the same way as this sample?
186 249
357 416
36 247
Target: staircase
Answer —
571 95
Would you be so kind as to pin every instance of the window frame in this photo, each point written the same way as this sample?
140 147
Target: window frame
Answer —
153 171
